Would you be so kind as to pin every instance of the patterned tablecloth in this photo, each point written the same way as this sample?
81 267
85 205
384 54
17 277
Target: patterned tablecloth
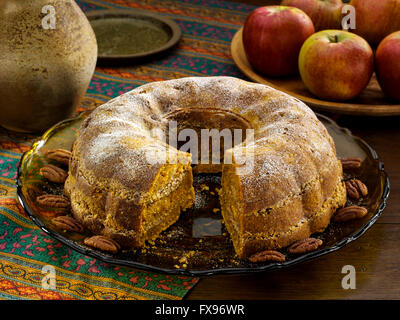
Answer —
208 27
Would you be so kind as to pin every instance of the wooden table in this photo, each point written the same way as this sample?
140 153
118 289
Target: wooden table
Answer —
375 256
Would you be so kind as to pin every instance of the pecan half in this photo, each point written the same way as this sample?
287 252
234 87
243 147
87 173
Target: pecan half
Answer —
350 213
350 163
304 246
68 223
267 255
102 243
53 173
53 201
355 189
60 155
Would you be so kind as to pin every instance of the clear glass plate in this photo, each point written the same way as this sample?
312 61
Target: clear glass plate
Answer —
198 243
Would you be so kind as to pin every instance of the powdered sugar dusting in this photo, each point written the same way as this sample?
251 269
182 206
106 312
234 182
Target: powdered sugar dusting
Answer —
291 145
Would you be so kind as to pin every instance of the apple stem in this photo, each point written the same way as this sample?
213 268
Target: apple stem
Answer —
334 39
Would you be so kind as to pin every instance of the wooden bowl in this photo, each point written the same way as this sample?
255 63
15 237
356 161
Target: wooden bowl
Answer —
371 102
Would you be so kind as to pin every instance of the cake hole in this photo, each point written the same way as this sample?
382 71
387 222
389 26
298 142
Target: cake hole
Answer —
231 130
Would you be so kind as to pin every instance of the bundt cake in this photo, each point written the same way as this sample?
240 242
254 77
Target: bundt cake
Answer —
283 182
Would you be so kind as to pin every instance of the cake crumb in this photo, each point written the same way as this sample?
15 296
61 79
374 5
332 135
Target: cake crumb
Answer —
183 259
203 187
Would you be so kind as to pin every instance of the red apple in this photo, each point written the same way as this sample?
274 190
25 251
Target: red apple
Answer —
336 64
375 19
387 62
325 14
272 38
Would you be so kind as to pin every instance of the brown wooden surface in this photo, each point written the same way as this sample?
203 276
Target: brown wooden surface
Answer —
375 256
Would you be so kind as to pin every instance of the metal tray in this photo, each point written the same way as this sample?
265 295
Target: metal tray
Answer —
132 34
